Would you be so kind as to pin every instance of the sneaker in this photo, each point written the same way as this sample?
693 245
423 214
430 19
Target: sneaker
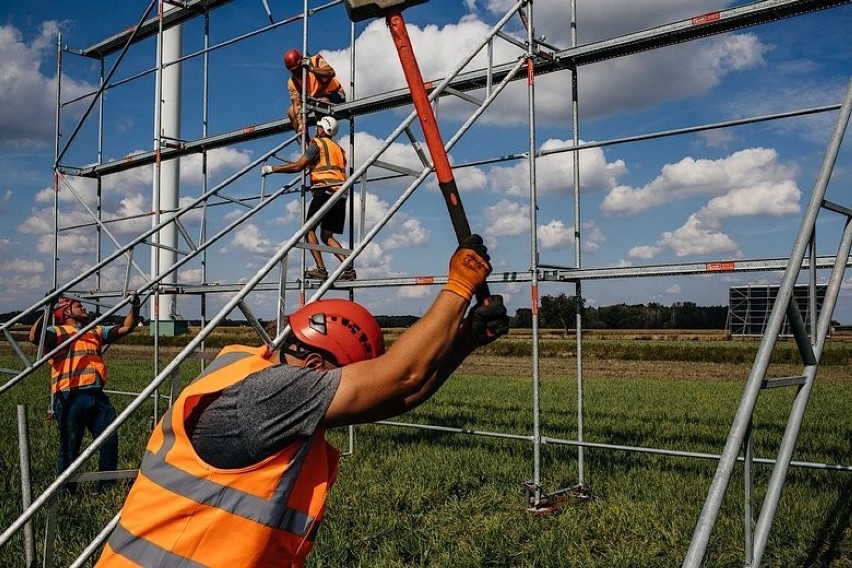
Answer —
348 274
317 273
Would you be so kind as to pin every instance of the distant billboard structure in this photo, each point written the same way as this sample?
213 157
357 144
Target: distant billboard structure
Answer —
749 308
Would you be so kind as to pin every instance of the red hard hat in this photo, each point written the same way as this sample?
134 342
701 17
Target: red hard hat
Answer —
292 59
63 310
342 328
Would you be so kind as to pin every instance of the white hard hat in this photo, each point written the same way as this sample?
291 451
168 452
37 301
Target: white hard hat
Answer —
328 124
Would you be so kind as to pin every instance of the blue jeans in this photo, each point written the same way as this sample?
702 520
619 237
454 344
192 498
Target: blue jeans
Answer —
79 410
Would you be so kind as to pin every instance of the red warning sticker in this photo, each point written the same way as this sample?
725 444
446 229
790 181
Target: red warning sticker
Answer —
706 18
726 266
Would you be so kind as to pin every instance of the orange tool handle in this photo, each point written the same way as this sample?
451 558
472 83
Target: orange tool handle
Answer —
446 181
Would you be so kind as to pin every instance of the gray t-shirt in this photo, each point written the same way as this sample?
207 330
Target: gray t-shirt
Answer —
312 152
261 415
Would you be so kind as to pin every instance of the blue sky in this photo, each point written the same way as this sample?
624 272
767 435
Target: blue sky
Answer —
725 194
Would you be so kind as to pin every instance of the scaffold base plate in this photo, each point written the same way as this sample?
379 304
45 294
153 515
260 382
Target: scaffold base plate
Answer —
548 503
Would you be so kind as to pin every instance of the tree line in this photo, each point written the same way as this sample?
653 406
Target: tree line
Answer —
559 312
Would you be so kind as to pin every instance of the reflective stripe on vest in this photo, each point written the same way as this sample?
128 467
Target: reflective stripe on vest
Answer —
80 364
273 512
178 501
144 553
330 165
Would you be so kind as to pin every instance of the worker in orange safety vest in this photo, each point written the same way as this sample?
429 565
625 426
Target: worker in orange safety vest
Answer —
320 84
78 375
326 162
237 472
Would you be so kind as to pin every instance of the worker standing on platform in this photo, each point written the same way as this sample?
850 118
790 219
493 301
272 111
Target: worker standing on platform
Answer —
321 84
238 471
326 161
77 378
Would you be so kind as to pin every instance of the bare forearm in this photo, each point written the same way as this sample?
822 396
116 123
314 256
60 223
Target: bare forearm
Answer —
422 350
129 323
324 71
35 330
448 365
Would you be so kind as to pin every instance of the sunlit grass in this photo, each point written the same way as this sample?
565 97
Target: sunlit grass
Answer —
410 497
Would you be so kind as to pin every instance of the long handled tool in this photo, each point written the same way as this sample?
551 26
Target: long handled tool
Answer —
391 10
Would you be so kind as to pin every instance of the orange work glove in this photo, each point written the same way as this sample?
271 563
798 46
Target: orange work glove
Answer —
469 267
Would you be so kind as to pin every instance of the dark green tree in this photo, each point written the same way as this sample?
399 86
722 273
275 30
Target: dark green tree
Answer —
559 312
522 319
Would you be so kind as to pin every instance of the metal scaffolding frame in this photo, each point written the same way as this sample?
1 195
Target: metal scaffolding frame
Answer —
535 58
749 308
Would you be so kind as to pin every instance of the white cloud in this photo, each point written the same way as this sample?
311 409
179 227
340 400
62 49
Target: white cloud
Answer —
28 97
189 275
374 209
592 237
643 252
751 182
411 233
219 161
22 266
673 289
403 154
438 50
67 243
749 174
135 205
555 172
506 218
625 84
775 97
414 292
374 262
718 138
774 199
555 235
698 236
292 212
19 287
111 276
248 238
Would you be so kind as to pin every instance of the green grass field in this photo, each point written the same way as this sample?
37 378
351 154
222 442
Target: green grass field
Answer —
411 497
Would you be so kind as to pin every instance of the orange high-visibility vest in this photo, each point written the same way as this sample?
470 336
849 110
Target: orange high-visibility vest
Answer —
330 166
81 364
317 87
184 512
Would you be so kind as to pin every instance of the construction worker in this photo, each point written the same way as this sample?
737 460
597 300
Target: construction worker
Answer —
237 472
321 84
78 374
326 161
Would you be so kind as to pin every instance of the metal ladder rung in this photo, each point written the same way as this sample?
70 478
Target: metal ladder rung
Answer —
318 105
396 168
836 207
783 382
464 96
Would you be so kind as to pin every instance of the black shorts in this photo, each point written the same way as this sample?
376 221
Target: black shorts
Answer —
337 97
334 218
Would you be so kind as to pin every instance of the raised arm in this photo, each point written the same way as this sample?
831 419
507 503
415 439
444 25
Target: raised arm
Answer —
131 320
321 69
291 168
35 330
422 358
